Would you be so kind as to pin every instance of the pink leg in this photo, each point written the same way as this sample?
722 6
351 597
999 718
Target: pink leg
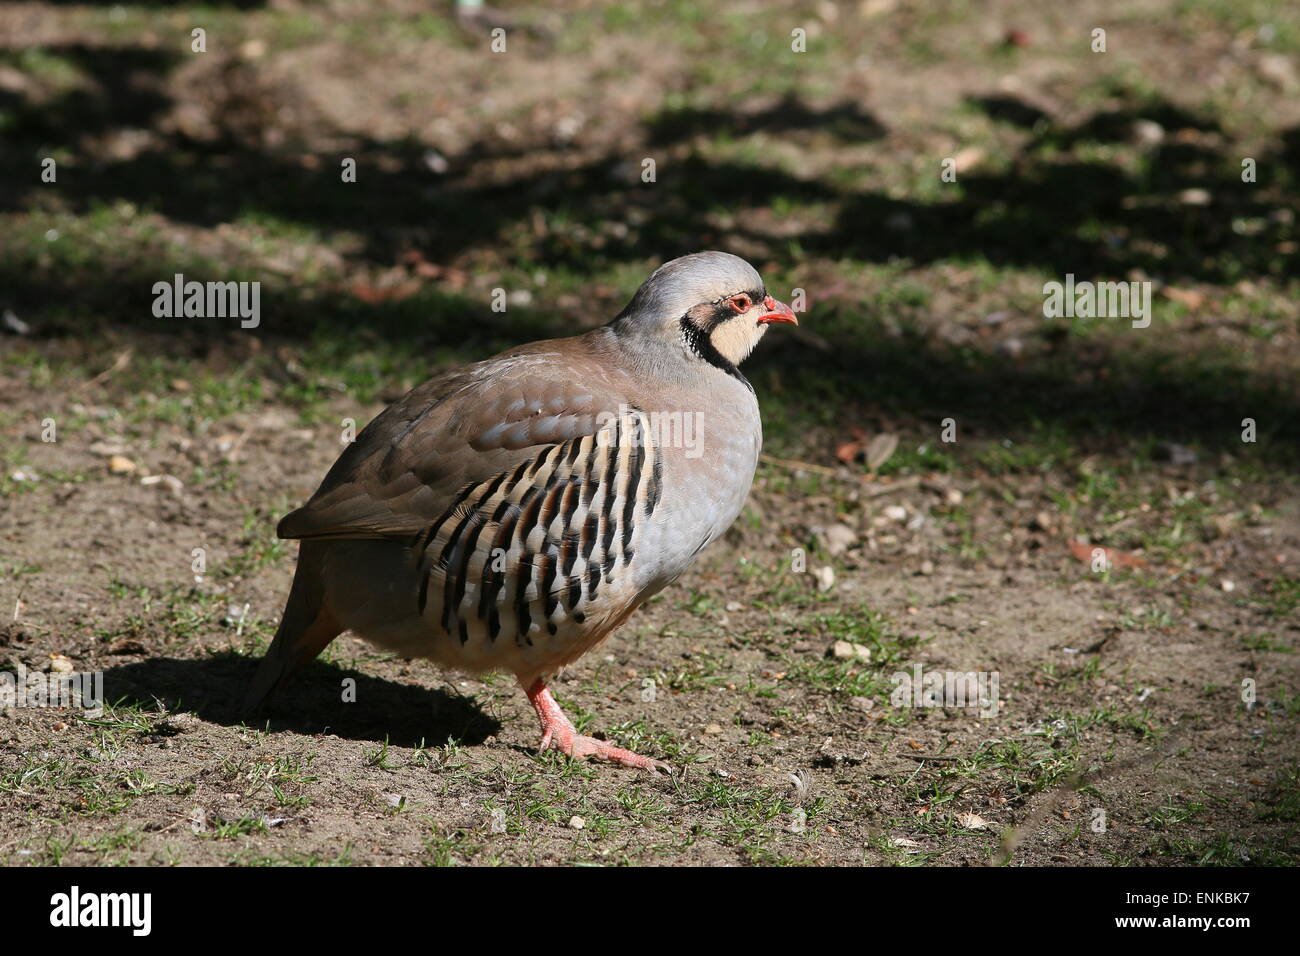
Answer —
559 734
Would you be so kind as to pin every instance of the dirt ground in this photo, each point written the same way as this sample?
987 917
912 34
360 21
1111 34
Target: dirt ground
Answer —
1145 713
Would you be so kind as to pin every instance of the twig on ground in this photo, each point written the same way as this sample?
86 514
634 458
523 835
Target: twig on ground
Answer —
873 491
123 359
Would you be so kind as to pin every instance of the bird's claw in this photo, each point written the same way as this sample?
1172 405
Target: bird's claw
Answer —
579 746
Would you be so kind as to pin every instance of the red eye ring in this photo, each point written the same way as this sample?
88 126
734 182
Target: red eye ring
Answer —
736 303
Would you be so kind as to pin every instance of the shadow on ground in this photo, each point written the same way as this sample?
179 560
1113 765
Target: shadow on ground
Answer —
211 688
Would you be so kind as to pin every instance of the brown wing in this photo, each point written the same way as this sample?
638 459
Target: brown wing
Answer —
408 466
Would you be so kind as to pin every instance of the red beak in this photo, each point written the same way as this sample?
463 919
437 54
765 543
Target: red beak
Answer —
777 312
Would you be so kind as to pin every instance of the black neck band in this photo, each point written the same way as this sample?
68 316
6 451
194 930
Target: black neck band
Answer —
698 341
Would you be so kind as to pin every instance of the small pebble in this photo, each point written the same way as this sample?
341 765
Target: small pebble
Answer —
848 651
839 538
1146 132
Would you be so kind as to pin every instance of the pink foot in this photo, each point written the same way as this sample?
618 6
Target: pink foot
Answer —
559 734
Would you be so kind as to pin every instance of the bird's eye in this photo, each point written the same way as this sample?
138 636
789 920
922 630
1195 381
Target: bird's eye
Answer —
739 303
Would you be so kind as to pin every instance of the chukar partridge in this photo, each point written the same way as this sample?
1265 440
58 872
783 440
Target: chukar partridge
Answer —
510 514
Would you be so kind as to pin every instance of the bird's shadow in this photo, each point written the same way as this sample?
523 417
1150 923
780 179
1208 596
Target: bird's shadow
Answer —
313 703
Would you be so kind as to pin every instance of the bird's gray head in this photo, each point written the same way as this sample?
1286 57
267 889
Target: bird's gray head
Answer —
711 304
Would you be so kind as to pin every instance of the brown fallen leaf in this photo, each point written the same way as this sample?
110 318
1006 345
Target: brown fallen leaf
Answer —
1190 298
1115 559
848 451
374 295
968 158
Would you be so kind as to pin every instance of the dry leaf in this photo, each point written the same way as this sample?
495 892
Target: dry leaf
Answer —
1188 297
968 158
849 451
880 449
1115 559
374 295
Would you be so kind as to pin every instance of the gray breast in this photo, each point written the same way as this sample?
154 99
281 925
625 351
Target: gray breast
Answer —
706 483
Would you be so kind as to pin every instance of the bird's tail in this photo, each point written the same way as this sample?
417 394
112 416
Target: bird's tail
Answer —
305 630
